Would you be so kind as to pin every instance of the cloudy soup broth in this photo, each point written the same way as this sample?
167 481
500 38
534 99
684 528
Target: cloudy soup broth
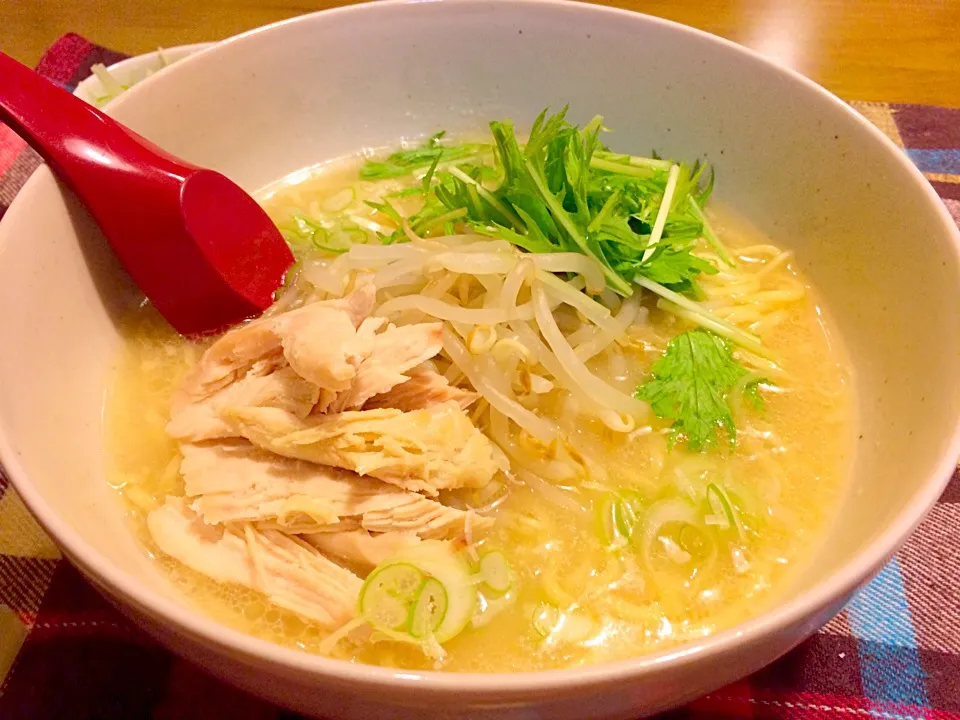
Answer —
632 471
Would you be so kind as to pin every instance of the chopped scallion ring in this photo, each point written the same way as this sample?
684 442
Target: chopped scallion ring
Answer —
429 610
545 619
495 572
723 511
387 596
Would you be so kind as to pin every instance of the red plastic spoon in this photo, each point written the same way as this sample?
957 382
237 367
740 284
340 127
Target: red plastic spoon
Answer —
201 249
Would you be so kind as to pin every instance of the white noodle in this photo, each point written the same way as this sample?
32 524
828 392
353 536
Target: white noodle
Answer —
595 388
579 401
473 263
540 385
404 272
509 346
446 311
481 339
367 256
499 397
600 339
617 422
512 284
554 471
590 309
329 276
550 492
584 266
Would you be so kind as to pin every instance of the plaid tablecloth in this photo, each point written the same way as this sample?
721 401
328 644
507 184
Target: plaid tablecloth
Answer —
893 653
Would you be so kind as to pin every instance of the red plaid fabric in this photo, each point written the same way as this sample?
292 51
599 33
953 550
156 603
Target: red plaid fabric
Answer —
893 653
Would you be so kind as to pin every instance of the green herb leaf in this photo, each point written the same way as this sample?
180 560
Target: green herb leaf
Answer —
532 242
406 192
691 383
549 179
752 393
565 192
671 265
404 162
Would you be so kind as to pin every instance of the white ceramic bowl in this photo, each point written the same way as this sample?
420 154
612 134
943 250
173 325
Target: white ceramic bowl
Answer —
795 160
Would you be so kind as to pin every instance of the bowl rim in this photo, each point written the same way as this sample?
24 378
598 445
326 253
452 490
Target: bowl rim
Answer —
251 650
135 63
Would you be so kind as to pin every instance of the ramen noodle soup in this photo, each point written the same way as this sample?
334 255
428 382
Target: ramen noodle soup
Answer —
520 405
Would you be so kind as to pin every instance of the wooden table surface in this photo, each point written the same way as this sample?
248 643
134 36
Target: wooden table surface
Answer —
885 50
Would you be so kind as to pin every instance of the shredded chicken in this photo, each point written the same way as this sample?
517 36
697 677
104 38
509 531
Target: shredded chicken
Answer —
422 450
307 338
395 351
283 389
234 481
322 343
361 547
313 432
291 573
425 388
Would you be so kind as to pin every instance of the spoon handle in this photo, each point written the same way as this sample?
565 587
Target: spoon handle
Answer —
102 161
201 249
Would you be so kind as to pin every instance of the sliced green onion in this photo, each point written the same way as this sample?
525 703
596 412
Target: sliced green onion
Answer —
439 560
316 234
557 627
430 608
495 571
305 226
673 551
607 522
633 497
739 559
340 201
626 518
388 594
617 517
722 509
357 235
545 619
662 513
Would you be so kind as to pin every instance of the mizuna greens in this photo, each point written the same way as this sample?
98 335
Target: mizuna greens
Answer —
639 218
564 191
